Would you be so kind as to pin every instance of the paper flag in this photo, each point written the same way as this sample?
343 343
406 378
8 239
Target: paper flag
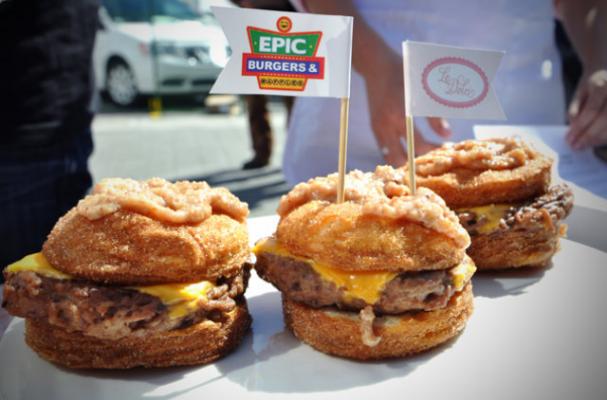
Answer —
282 53
450 82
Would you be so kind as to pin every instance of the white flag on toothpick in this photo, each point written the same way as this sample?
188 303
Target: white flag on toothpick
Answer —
282 53
450 82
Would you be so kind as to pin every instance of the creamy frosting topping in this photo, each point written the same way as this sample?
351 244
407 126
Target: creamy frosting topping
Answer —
180 202
492 154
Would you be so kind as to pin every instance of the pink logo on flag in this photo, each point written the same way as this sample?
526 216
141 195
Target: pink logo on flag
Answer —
455 82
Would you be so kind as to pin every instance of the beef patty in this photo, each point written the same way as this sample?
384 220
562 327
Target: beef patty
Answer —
109 312
552 207
409 291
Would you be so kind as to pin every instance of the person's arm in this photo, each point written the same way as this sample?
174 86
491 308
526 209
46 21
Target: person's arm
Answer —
585 22
382 70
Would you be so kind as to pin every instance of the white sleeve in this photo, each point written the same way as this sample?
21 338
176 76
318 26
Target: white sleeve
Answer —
299 5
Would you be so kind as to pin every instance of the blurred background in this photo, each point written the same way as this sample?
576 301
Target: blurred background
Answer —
154 64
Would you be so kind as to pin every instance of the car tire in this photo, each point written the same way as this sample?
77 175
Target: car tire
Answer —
120 84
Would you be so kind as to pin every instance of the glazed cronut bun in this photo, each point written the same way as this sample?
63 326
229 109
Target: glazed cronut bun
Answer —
139 273
500 190
383 274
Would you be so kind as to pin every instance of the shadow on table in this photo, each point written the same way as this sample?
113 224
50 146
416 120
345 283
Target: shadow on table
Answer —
155 376
512 282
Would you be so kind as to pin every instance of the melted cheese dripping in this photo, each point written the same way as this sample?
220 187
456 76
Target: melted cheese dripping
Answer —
461 273
363 285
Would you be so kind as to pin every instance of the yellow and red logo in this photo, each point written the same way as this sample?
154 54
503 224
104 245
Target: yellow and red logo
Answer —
283 60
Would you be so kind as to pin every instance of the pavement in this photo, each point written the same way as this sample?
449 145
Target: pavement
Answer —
189 142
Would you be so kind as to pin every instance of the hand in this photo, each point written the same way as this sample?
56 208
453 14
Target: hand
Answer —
588 111
387 108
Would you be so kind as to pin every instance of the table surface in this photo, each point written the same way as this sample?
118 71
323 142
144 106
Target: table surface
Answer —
534 334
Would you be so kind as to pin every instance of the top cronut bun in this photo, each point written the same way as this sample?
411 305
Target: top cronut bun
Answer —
380 226
479 172
148 232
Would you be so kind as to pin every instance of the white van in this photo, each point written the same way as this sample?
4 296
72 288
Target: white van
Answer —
156 47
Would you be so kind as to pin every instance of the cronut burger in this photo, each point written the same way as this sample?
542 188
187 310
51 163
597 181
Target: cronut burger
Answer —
500 190
383 274
137 274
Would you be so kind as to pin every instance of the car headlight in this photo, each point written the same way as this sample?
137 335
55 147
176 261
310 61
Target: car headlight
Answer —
199 54
161 48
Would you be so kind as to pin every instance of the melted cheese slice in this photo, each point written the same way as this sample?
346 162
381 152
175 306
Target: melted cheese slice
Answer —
36 263
362 285
180 298
493 214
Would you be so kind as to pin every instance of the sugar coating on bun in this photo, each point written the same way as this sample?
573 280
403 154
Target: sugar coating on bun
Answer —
178 203
381 194
149 232
130 248
340 236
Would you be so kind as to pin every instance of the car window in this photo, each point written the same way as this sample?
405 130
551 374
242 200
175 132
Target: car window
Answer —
127 10
208 18
170 10
146 11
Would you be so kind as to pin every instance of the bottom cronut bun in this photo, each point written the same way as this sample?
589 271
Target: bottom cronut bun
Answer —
197 344
515 249
339 333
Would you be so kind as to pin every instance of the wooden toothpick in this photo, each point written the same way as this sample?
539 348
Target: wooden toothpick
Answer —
343 146
411 152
